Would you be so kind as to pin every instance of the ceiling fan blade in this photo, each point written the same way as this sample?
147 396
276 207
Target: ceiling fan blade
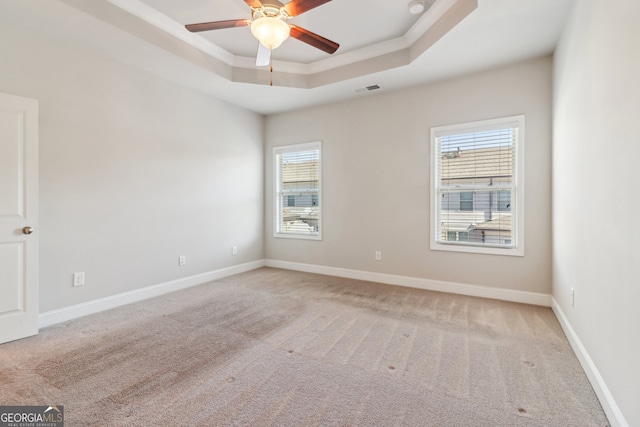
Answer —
263 57
296 7
218 25
253 3
313 39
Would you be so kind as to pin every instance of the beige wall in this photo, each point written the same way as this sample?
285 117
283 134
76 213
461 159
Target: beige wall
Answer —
596 188
376 177
134 171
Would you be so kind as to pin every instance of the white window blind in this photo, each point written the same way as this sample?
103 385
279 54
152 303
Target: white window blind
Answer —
476 193
297 191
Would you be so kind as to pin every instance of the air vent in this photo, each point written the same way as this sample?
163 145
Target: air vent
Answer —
367 89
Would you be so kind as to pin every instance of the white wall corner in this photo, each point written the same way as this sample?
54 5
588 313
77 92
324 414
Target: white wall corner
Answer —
91 307
611 409
419 283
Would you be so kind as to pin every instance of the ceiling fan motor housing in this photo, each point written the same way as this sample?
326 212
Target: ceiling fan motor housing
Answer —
273 9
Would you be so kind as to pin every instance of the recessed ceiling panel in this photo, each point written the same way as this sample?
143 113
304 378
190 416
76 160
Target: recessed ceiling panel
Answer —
353 25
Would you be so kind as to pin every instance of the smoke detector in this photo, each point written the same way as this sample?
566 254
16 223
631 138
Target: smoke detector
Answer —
416 7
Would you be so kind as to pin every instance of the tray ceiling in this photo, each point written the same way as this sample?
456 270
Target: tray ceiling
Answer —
381 43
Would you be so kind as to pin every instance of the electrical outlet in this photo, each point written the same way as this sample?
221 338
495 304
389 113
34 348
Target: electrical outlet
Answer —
378 256
573 298
234 250
78 279
182 260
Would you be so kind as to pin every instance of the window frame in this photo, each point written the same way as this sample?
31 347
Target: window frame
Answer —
518 180
278 194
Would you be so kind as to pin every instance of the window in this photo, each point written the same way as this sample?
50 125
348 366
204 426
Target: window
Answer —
504 201
457 236
297 173
477 187
466 201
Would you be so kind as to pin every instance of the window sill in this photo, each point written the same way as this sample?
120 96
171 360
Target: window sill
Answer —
490 250
298 236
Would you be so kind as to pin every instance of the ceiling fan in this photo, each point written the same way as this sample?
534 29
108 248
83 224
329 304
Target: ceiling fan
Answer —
269 25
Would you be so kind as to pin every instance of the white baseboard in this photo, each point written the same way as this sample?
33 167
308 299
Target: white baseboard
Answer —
414 282
79 310
609 405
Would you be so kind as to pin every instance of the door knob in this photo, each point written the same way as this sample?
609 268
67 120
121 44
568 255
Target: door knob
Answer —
27 230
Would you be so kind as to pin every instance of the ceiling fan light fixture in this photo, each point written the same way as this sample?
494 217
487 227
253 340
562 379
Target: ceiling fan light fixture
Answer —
270 31
416 7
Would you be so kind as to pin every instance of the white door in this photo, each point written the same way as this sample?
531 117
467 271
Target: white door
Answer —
18 217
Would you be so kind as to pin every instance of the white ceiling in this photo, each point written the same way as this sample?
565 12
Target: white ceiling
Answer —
380 43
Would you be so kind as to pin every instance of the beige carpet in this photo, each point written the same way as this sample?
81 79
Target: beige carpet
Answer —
282 348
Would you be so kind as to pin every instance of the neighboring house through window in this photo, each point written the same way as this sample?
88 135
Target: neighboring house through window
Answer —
477 187
297 182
